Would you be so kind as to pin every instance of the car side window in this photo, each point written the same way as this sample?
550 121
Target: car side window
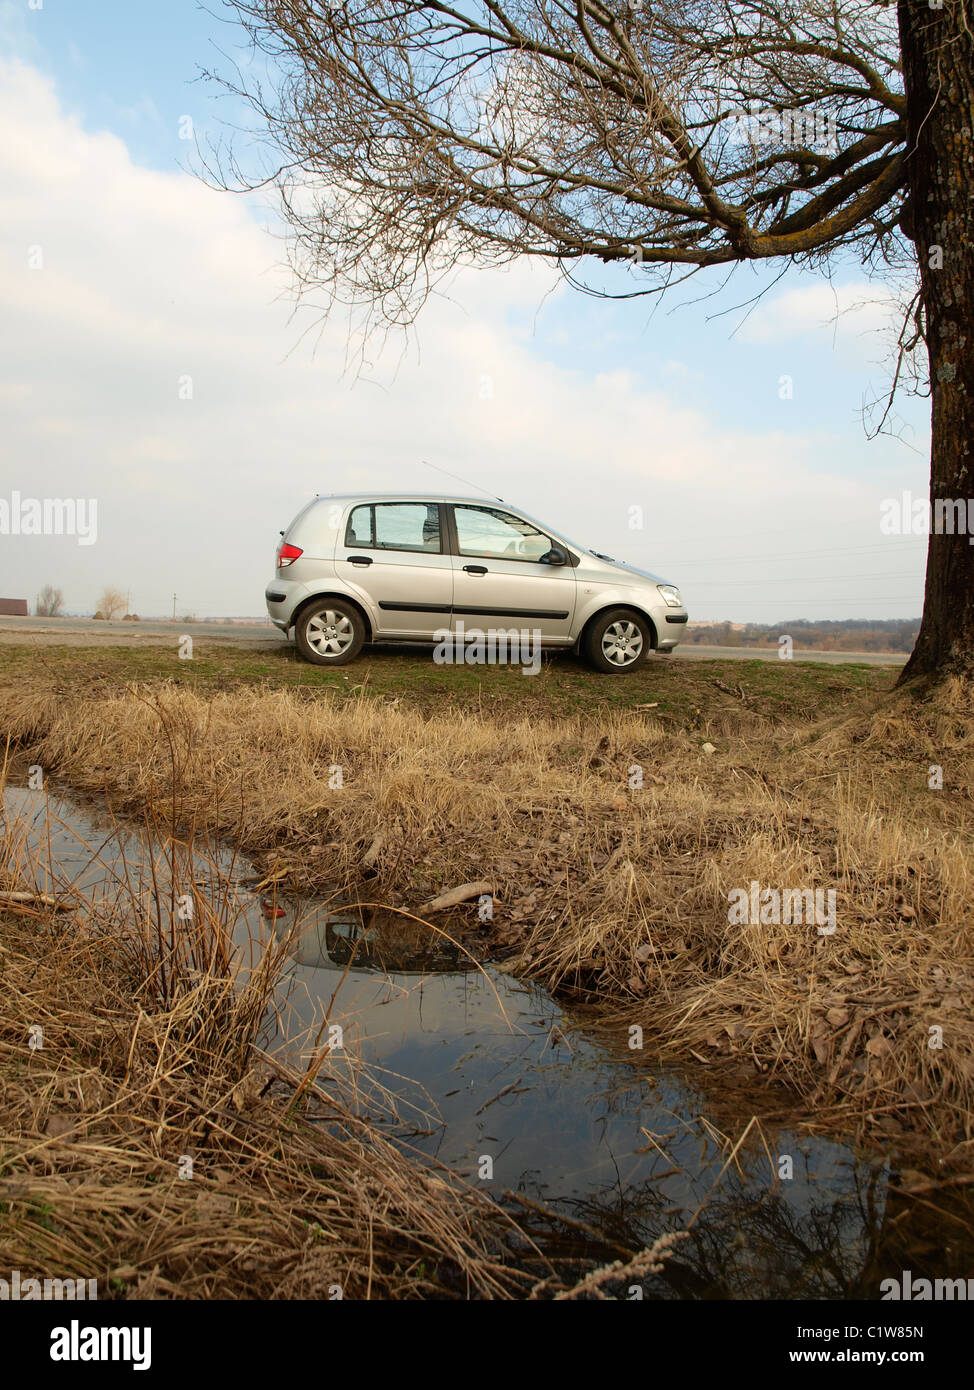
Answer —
498 535
395 526
359 529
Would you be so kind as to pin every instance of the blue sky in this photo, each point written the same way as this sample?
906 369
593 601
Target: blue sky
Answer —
760 507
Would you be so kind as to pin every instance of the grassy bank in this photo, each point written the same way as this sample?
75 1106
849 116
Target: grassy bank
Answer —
148 1143
701 694
610 836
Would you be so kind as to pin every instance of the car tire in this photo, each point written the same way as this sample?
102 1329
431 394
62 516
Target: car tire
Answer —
330 632
619 632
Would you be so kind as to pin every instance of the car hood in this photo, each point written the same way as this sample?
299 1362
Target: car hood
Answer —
602 562
593 558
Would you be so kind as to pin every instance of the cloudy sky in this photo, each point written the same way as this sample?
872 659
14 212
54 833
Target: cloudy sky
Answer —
151 360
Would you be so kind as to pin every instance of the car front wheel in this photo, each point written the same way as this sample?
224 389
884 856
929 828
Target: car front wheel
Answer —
618 641
330 633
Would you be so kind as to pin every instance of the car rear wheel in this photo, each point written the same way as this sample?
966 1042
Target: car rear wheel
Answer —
330 633
618 641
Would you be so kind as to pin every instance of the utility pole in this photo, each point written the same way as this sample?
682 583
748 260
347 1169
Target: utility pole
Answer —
174 607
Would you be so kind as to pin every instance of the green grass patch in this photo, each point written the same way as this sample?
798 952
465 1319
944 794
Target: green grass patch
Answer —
684 693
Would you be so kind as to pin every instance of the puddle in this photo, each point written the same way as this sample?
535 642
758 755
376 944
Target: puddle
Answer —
492 1077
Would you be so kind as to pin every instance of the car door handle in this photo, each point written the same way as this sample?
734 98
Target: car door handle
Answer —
475 569
360 559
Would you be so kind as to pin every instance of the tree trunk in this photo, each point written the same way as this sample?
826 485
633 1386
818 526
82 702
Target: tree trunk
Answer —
938 66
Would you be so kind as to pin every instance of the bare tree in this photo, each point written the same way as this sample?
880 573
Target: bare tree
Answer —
50 601
111 604
409 138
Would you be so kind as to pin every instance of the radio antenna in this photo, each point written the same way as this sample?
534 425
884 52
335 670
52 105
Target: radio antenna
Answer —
476 486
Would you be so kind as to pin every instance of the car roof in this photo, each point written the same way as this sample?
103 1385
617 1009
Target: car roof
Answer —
391 496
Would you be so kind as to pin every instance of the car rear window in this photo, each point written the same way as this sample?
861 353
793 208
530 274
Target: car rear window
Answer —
395 526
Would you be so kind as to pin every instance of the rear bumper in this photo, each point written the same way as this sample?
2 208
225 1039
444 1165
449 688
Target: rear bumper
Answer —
279 605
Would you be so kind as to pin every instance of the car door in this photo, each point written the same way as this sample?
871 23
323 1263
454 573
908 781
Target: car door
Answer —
501 578
395 556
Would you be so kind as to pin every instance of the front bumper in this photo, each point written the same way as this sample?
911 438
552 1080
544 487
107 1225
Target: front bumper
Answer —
668 633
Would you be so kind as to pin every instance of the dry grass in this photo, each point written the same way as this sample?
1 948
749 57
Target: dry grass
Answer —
149 1055
609 892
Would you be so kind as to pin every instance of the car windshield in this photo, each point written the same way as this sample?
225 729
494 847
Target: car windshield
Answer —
567 540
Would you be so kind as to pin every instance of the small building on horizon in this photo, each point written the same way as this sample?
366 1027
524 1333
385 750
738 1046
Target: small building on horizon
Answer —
14 608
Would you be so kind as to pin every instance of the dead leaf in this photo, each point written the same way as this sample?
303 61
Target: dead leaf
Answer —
247 1092
821 1042
737 1030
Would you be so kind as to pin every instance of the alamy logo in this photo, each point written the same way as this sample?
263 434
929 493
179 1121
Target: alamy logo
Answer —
802 126
18 1289
50 516
495 646
77 1343
756 906
926 1290
907 515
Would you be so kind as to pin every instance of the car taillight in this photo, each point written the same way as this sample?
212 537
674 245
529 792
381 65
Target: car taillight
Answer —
286 555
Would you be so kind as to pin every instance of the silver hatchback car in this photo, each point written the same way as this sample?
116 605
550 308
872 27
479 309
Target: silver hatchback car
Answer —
407 568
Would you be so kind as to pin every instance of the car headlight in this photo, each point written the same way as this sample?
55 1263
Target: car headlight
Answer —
671 595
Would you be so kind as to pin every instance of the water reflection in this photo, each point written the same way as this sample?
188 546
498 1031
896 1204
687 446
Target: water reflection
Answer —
491 1076
488 1067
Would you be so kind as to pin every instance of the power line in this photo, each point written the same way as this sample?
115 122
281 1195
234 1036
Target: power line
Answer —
764 531
820 579
796 554
832 603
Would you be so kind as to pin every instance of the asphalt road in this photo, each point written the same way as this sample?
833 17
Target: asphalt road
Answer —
83 632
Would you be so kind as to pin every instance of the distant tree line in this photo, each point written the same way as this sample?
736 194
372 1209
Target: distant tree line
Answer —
112 604
847 635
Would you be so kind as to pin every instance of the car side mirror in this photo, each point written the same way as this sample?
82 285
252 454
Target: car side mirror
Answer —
555 556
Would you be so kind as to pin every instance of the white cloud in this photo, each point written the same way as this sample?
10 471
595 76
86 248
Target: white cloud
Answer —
149 277
857 313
